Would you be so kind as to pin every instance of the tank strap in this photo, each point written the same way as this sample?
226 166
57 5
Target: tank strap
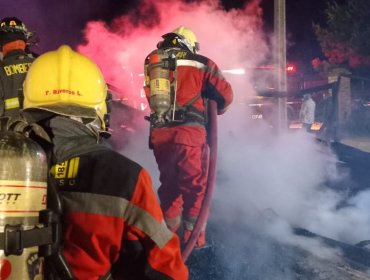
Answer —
192 100
14 239
192 110
189 116
56 267
194 115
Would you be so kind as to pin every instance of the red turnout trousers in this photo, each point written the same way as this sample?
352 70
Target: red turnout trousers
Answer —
182 157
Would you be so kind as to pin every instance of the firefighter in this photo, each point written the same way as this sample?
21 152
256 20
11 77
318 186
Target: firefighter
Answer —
14 66
178 82
112 221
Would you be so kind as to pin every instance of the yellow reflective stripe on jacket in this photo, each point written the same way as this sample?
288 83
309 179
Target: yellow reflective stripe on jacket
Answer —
67 169
11 103
73 167
118 207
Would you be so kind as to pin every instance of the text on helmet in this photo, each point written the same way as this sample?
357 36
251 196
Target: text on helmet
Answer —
62 91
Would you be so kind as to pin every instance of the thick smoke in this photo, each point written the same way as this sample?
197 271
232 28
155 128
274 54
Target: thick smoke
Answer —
259 170
229 38
260 173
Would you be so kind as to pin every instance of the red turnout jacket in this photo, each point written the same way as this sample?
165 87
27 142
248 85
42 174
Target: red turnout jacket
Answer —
112 220
196 75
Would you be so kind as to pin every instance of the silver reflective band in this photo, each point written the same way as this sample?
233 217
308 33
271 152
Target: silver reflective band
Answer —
193 63
120 208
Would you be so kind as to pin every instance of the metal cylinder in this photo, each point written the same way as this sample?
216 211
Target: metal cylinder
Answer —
23 189
160 85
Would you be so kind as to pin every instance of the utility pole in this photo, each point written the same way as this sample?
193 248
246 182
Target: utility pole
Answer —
280 62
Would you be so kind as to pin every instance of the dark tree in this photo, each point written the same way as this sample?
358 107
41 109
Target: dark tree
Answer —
345 38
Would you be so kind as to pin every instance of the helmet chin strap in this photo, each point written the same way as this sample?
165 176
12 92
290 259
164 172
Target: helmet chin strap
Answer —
184 41
93 126
96 128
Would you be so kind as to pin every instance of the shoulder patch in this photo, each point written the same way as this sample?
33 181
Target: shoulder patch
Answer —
66 172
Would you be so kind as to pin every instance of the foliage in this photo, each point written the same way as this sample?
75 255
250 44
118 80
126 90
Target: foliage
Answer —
345 40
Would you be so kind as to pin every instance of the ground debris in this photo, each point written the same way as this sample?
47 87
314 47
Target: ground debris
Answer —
255 257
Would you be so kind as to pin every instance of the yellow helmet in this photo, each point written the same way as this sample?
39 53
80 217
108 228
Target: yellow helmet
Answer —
189 36
66 83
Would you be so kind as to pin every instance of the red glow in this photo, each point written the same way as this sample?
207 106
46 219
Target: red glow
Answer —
341 53
291 69
120 48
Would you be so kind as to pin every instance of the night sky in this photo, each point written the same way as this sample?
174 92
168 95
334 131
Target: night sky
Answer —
59 22
302 45
300 15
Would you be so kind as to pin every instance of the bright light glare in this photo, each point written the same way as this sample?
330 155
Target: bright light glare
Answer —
239 71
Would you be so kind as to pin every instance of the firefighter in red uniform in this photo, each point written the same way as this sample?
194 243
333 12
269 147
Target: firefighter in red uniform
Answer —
14 66
178 81
112 221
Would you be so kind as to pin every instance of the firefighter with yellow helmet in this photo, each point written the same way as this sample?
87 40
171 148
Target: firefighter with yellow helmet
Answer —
14 37
178 82
112 222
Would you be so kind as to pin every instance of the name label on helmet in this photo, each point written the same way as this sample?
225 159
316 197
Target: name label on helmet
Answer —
61 91
14 69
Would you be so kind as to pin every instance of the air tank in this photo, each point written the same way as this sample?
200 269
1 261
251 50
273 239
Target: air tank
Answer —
160 84
23 189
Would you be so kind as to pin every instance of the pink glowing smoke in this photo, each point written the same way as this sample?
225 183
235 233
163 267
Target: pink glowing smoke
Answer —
233 39
284 172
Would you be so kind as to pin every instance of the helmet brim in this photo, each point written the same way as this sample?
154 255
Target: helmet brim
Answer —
6 37
68 109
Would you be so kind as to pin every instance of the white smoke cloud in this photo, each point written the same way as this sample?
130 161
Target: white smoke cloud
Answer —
287 172
257 168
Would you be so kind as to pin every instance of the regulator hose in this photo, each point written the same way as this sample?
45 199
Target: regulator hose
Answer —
203 214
